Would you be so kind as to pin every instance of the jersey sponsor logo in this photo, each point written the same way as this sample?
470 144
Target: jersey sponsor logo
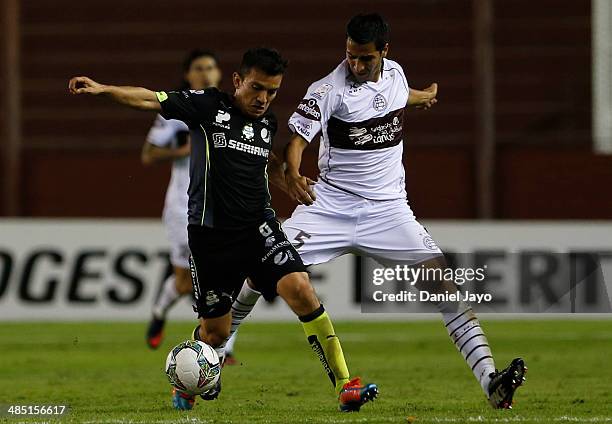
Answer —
248 148
221 118
322 91
379 103
359 135
301 127
247 132
274 248
309 108
219 140
265 121
196 91
270 241
266 136
283 257
374 133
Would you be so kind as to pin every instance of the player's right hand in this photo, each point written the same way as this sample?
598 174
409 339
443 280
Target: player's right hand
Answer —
84 85
300 189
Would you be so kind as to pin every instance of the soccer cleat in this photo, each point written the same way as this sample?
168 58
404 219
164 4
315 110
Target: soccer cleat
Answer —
155 333
504 383
354 394
182 401
213 393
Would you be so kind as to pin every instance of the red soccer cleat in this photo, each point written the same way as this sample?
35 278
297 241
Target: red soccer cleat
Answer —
354 394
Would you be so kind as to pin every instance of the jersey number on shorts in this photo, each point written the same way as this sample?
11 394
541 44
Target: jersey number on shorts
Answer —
265 229
300 239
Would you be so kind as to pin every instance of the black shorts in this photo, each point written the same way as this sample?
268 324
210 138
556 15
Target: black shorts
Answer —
221 260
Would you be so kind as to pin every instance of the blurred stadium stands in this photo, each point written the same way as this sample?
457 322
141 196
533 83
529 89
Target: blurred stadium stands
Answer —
79 157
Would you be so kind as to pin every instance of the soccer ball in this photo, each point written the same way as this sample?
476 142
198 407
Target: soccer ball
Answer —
193 367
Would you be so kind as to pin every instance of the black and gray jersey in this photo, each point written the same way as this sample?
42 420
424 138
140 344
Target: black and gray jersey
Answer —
228 185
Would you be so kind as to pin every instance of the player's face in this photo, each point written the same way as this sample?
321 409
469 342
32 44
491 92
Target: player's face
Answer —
255 91
364 60
203 73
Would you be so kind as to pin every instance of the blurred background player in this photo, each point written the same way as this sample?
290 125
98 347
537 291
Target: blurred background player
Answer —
168 140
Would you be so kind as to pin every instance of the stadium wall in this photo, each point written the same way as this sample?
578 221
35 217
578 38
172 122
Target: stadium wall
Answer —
112 269
80 157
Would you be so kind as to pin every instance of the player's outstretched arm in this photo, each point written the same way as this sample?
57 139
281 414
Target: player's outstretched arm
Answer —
298 186
152 154
135 97
276 173
423 99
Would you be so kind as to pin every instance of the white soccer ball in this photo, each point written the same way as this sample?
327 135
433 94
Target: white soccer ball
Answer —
193 367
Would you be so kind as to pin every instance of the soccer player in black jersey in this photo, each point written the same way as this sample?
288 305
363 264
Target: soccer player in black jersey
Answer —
233 232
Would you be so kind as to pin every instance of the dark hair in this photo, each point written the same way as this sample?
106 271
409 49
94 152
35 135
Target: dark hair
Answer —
367 28
194 55
267 60
191 57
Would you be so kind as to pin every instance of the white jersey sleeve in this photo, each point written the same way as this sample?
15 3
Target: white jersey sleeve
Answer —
163 132
322 99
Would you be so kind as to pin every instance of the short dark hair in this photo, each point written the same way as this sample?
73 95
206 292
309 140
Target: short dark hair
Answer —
265 59
368 28
194 55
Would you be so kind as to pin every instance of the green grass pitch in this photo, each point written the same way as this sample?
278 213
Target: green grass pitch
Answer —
106 374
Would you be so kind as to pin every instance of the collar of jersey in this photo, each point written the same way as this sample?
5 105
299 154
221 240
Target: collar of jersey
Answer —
349 74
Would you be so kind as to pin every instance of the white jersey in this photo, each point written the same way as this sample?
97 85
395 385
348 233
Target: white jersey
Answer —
171 133
361 130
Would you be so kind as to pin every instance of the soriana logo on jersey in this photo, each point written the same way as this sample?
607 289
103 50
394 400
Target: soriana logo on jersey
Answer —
309 109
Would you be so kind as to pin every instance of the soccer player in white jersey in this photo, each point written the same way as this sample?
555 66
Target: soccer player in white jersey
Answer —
168 140
359 203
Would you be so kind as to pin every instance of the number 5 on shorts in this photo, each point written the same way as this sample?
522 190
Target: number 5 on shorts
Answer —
300 238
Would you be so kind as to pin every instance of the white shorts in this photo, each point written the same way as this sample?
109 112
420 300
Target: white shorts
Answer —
175 223
338 223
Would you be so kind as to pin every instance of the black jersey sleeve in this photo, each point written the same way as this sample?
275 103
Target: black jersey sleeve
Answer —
189 106
177 105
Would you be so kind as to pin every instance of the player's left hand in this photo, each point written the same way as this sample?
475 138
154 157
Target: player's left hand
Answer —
429 97
299 188
84 85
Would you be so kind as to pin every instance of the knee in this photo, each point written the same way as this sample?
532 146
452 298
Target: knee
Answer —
297 287
183 283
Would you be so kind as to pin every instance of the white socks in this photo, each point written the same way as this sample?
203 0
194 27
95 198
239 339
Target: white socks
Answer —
229 345
465 332
242 306
167 296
